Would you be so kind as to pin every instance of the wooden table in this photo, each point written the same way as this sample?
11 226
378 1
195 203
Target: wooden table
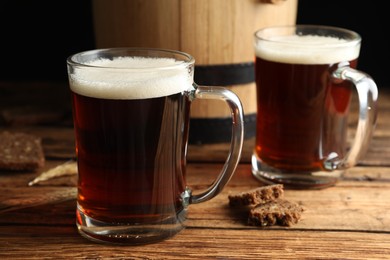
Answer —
348 221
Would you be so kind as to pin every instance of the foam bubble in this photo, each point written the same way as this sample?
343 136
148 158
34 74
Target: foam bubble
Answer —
307 49
131 78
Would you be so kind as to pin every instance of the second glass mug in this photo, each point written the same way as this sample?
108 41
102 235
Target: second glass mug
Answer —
305 75
131 111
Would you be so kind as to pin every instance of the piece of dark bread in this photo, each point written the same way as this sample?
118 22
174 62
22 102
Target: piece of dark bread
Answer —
20 151
257 196
279 212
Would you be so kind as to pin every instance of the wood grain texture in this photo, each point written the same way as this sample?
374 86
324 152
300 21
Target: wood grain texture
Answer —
214 32
198 243
348 221
345 221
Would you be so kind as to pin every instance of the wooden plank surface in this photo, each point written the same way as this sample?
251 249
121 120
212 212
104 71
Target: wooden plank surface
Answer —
345 221
196 243
348 221
360 202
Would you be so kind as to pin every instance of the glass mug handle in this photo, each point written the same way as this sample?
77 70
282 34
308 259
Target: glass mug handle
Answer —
234 103
368 96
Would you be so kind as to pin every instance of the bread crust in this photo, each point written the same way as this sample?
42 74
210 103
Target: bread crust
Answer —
20 151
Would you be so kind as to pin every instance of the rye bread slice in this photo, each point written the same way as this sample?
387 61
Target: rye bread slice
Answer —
257 196
20 151
279 212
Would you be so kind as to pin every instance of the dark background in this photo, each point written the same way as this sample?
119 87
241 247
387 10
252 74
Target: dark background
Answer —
33 32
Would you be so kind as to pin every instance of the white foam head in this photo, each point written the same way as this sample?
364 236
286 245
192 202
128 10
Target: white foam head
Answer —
306 49
131 78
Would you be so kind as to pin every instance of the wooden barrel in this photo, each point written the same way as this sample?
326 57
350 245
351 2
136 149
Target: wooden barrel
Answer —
218 33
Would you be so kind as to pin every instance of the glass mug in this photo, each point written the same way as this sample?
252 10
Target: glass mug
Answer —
131 112
305 75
